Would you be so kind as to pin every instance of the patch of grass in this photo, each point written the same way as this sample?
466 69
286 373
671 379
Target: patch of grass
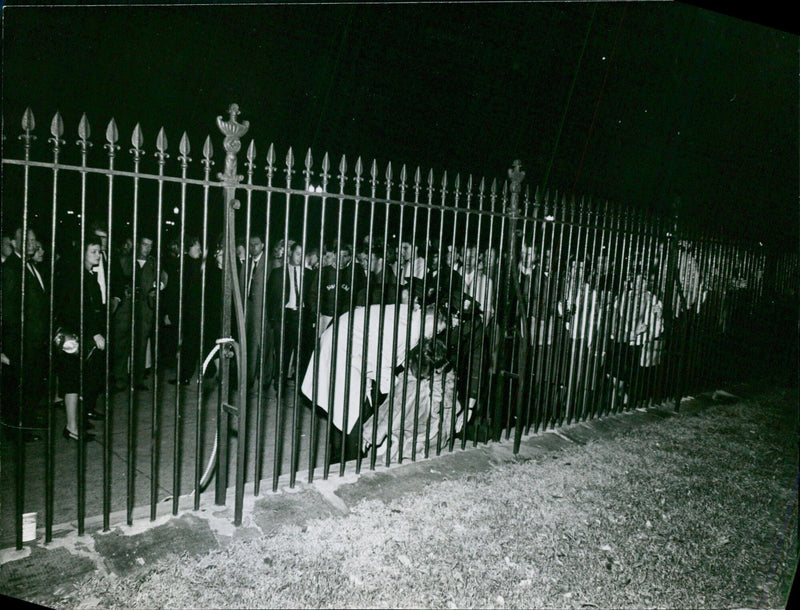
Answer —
692 511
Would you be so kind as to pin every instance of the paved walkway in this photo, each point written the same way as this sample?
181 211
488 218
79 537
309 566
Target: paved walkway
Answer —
43 572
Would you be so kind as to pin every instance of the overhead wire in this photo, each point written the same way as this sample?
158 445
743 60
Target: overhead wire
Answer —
599 98
569 99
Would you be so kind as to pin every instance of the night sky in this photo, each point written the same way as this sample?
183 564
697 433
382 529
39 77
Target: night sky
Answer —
634 102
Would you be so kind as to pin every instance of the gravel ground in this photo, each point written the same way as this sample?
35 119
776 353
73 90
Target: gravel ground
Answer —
694 511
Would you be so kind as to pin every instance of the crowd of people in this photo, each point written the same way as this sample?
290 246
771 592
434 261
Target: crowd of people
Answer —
397 340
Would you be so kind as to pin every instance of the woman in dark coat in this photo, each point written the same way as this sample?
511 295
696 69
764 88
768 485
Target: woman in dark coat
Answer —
191 322
68 319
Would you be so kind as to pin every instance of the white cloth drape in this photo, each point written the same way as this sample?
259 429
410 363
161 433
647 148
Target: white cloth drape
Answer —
339 371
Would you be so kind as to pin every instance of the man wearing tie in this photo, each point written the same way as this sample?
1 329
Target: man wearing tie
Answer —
26 347
284 287
257 352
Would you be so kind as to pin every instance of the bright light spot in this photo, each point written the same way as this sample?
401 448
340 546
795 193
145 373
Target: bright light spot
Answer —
70 212
645 109
604 57
176 210
549 217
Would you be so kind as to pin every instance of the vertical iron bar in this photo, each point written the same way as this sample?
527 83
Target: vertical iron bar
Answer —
177 435
262 329
28 125
199 429
137 152
57 130
367 310
111 146
314 432
83 142
155 439
231 291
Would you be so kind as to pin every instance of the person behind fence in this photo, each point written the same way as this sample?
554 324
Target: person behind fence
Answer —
441 277
350 280
413 265
638 328
7 247
257 324
72 314
187 316
580 313
170 305
32 346
283 307
308 332
333 379
476 284
425 412
147 284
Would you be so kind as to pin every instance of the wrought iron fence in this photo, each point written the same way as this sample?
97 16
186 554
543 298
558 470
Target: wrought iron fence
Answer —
347 316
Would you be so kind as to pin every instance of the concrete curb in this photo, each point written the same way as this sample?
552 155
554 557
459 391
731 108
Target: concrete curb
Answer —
43 572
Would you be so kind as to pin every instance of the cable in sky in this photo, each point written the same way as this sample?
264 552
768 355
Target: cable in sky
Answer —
599 97
569 98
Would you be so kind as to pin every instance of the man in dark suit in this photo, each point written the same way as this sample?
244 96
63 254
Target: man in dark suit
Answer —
257 352
144 294
25 347
283 307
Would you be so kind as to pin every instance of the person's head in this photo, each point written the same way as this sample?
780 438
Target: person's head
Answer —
490 257
127 245
391 254
433 259
376 260
91 255
145 246
428 356
637 281
295 254
345 255
30 245
362 258
194 249
407 252
256 245
312 258
280 248
7 246
451 256
175 248
470 258
329 256
100 231
38 254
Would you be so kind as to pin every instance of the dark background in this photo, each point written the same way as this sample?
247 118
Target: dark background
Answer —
638 103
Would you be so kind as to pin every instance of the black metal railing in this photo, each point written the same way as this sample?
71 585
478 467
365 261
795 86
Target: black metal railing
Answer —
360 318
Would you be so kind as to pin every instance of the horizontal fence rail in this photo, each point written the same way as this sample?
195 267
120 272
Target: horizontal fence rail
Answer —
164 325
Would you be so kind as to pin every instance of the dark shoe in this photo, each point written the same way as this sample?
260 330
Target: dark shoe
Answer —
99 415
87 425
87 437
